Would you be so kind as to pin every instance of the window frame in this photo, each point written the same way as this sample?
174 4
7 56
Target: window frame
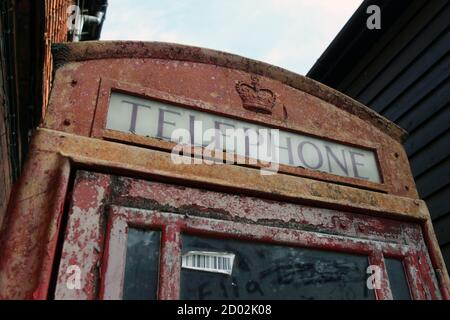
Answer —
172 226
101 213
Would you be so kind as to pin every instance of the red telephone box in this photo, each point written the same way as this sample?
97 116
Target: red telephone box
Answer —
123 197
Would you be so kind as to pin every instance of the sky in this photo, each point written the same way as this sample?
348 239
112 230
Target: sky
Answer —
291 34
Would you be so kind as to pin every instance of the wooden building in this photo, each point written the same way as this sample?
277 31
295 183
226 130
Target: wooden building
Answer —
402 72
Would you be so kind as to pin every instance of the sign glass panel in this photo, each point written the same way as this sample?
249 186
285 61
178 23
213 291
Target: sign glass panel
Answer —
150 118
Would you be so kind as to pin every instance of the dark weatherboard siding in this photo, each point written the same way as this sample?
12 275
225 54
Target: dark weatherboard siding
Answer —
402 72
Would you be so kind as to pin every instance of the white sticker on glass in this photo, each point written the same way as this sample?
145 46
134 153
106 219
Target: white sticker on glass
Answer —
217 262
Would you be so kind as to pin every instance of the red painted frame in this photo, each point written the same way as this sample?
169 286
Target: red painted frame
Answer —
90 229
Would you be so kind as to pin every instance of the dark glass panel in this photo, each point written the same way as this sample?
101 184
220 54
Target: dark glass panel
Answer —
263 271
397 279
142 265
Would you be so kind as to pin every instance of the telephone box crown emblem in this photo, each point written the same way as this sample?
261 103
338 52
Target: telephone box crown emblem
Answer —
254 97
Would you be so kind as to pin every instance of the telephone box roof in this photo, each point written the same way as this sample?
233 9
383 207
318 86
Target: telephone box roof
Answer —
92 50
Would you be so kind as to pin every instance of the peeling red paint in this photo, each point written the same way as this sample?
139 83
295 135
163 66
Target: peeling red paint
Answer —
28 239
296 206
216 214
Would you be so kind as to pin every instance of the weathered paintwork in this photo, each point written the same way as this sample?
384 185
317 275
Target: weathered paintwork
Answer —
72 137
176 209
30 231
205 80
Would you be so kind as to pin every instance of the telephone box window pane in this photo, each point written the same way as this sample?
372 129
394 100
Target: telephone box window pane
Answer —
264 271
142 265
397 279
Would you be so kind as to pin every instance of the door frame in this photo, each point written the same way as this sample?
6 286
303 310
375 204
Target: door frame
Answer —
99 219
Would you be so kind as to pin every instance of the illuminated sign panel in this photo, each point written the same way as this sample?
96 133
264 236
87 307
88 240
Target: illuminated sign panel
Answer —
165 121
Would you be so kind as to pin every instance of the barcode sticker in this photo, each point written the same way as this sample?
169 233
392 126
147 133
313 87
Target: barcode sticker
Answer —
217 262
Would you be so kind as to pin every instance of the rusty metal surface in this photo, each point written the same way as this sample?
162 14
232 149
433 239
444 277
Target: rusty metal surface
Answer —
73 136
436 258
30 231
119 158
69 52
224 206
384 293
83 246
129 160
144 204
79 103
